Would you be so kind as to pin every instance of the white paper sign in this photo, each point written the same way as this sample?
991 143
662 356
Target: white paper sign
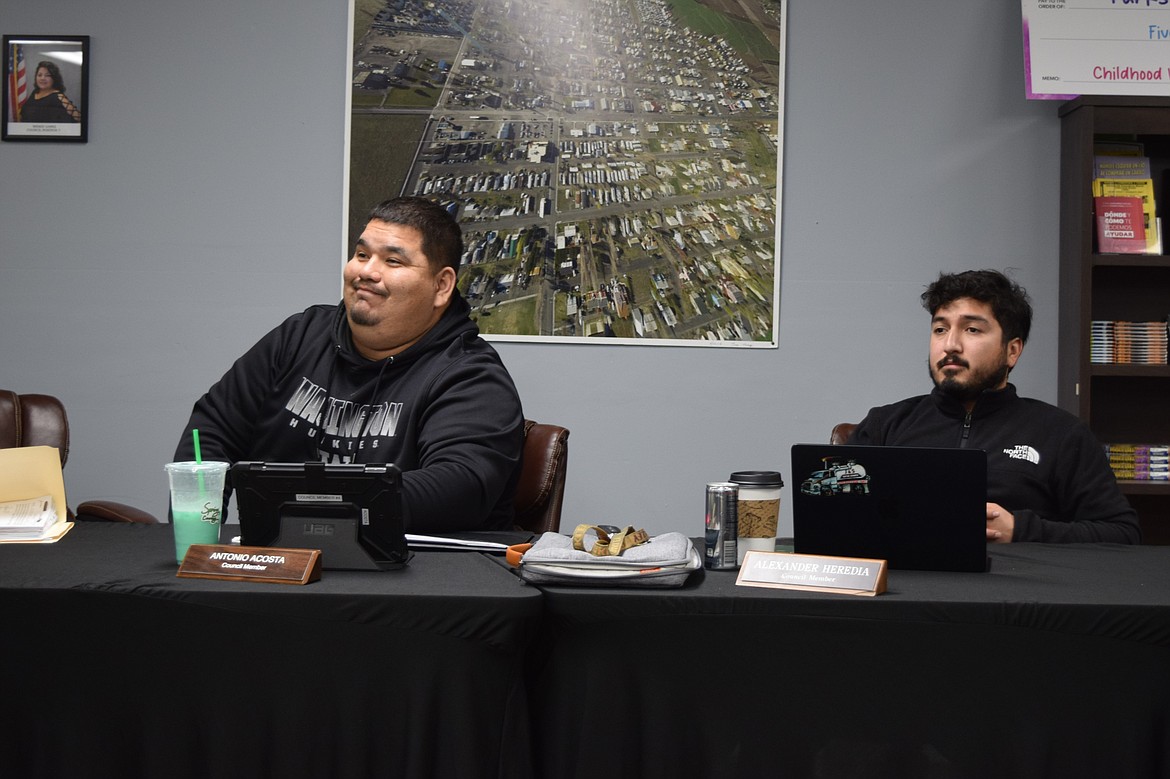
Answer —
1096 47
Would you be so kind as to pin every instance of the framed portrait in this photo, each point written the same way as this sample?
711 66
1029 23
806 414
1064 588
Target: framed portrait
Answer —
46 88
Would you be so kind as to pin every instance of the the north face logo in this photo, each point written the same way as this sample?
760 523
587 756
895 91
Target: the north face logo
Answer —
1023 452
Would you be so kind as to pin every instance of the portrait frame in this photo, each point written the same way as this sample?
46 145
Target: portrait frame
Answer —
61 114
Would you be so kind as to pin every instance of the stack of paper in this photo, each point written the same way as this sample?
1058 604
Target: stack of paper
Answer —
30 478
27 520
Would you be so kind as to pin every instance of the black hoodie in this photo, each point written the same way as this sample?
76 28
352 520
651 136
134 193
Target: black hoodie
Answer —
1043 464
444 410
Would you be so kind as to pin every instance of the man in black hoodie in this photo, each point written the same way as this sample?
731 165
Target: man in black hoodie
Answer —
395 373
1048 478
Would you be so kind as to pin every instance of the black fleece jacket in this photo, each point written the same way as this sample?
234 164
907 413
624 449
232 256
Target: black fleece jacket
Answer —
1043 464
445 411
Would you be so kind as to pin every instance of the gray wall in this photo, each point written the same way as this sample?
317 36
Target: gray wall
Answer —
207 206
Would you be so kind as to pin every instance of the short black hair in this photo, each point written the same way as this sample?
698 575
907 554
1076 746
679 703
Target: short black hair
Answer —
1008 300
442 240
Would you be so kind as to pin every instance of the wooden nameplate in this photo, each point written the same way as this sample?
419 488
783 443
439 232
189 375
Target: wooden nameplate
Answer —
781 570
251 564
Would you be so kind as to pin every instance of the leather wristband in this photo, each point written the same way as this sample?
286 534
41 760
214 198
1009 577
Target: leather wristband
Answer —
579 536
607 545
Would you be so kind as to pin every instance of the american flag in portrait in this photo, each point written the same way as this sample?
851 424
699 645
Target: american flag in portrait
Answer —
17 81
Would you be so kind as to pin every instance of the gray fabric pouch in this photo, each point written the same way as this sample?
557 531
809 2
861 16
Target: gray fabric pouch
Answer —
663 561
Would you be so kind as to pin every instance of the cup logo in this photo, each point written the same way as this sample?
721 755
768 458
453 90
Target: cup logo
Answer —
210 513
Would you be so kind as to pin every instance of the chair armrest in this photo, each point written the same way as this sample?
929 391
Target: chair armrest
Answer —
841 432
111 511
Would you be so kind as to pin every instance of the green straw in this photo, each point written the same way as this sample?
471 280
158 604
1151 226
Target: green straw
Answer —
198 459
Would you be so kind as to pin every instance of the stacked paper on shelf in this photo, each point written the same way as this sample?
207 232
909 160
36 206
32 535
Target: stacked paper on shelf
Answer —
1139 461
1101 341
1142 343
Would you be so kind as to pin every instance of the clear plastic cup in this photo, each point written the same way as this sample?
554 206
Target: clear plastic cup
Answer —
196 503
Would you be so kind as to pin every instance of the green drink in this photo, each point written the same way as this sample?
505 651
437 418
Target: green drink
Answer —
191 528
196 503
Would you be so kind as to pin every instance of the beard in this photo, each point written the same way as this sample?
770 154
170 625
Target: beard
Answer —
977 380
363 315
362 318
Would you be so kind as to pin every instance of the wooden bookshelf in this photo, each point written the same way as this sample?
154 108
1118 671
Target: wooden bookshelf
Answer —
1120 403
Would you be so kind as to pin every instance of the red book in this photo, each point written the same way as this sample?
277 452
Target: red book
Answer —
1120 225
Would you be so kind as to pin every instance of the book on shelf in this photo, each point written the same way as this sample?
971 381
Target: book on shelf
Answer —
1140 459
1147 449
1116 166
1123 170
1139 462
1112 190
1136 343
1118 146
1142 476
1121 227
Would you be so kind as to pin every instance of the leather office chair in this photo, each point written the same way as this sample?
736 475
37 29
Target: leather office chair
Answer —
541 489
841 432
40 420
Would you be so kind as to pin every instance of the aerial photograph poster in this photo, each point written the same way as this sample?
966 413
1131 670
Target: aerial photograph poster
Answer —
614 164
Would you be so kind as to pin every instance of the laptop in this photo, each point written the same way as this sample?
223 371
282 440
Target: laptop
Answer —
915 507
351 512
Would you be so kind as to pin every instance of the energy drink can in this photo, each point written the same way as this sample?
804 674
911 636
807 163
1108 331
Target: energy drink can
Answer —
722 526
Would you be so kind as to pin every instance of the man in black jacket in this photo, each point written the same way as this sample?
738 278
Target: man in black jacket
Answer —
395 373
1048 478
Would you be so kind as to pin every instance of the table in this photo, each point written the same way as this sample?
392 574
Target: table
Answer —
1056 663
113 667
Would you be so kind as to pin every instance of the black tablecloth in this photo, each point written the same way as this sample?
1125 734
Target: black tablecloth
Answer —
1056 663
113 667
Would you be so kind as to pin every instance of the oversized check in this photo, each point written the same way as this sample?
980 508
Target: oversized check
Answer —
1096 47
